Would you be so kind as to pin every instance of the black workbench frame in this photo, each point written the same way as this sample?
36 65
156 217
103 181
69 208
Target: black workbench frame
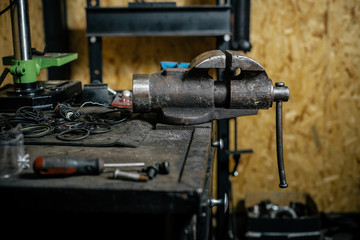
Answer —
164 20
171 206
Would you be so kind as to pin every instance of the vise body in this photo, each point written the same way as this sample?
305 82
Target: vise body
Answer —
191 96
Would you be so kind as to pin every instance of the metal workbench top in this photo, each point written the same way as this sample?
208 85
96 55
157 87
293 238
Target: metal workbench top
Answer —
184 191
188 150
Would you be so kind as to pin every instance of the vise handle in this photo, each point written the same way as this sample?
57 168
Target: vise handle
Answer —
279 136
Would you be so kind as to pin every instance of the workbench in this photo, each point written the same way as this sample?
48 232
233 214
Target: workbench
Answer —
172 206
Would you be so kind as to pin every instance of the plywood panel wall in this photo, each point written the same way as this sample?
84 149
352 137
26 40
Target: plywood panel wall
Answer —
312 46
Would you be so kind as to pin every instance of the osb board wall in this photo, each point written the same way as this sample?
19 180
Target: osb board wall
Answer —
313 46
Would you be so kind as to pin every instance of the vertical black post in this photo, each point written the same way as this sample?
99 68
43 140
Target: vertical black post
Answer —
95 51
223 182
95 58
240 41
56 35
241 29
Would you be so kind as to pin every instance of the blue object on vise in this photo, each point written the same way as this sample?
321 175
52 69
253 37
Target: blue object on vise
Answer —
165 65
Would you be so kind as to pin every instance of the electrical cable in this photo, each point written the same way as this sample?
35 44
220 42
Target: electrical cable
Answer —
105 118
3 75
30 113
38 130
67 135
38 53
35 123
95 128
7 8
94 103
4 135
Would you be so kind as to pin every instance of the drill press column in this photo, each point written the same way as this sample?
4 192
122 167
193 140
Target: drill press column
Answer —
25 66
21 30
22 46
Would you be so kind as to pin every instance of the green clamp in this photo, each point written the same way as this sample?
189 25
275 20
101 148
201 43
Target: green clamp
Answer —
26 71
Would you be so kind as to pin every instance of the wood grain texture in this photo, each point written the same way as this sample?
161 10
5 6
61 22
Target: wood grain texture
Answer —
313 46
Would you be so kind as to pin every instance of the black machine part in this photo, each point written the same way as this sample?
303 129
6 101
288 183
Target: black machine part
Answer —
186 96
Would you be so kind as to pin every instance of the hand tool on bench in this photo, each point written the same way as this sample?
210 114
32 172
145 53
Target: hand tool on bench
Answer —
157 168
65 166
118 174
186 96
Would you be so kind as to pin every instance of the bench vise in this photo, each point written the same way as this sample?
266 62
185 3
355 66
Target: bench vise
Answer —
190 95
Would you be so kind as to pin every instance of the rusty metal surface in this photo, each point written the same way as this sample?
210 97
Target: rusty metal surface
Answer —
187 150
187 96
249 92
170 88
235 59
210 59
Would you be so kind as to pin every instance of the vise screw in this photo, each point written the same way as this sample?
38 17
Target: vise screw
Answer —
190 95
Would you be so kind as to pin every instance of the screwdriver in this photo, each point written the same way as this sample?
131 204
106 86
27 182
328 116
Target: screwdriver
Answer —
65 166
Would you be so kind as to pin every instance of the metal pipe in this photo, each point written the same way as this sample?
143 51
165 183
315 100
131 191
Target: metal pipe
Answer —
111 165
279 145
21 30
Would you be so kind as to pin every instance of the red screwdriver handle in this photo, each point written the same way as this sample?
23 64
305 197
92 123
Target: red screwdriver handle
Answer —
67 166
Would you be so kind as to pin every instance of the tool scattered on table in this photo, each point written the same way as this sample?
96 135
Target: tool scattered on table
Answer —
66 166
158 168
123 100
69 166
186 96
65 111
119 174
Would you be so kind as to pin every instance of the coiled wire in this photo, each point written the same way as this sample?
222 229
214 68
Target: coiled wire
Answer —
65 123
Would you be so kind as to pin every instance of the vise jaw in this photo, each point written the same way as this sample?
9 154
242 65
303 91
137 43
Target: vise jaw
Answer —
191 96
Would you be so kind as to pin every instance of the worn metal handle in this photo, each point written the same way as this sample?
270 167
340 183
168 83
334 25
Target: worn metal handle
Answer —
279 140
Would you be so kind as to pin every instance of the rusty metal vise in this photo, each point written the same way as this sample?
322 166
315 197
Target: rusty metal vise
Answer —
191 96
